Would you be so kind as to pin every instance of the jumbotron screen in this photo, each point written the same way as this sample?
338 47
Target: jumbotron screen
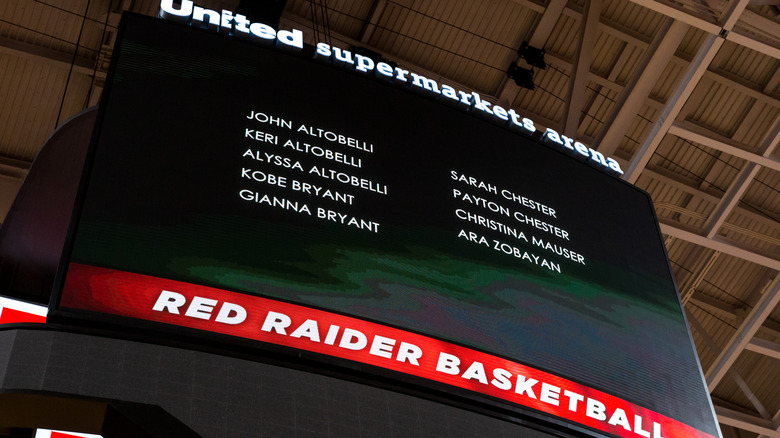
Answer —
279 195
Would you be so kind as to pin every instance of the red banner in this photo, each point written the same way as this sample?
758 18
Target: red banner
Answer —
265 320
13 311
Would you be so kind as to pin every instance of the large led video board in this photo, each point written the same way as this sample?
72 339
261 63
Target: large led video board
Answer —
250 190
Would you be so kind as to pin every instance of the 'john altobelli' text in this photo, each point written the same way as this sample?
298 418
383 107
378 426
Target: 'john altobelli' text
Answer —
282 157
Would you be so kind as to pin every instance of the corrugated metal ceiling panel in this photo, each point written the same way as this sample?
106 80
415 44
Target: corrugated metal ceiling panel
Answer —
764 192
545 100
747 64
634 57
24 125
667 81
632 16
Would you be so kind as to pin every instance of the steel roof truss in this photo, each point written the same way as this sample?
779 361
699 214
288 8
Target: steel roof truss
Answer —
638 89
693 74
760 312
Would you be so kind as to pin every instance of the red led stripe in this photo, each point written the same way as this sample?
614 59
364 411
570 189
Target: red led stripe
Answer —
134 295
9 316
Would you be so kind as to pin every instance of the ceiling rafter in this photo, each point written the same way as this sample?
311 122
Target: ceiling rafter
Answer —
709 195
705 137
746 422
693 75
736 36
723 78
721 244
583 58
741 183
762 346
507 93
697 274
596 78
775 424
743 386
760 312
684 89
729 19
636 92
736 315
81 64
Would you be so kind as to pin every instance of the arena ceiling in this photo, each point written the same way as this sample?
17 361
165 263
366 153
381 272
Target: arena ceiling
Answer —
685 93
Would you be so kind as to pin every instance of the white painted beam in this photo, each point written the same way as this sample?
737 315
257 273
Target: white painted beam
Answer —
678 14
741 183
693 74
536 7
57 58
710 139
565 65
747 41
764 347
583 58
638 89
714 305
720 245
728 23
760 22
681 183
761 310
775 423
721 78
733 374
746 422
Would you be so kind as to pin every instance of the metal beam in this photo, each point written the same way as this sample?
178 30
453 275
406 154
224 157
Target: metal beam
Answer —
726 310
678 14
750 394
728 21
775 423
745 40
679 182
714 305
708 138
638 89
762 309
733 374
741 183
764 347
583 58
697 274
693 74
606 82
721 245
536 7
760 22
57 58
746 422
731 81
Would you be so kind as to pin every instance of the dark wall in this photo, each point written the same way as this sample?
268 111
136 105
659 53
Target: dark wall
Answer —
220 396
